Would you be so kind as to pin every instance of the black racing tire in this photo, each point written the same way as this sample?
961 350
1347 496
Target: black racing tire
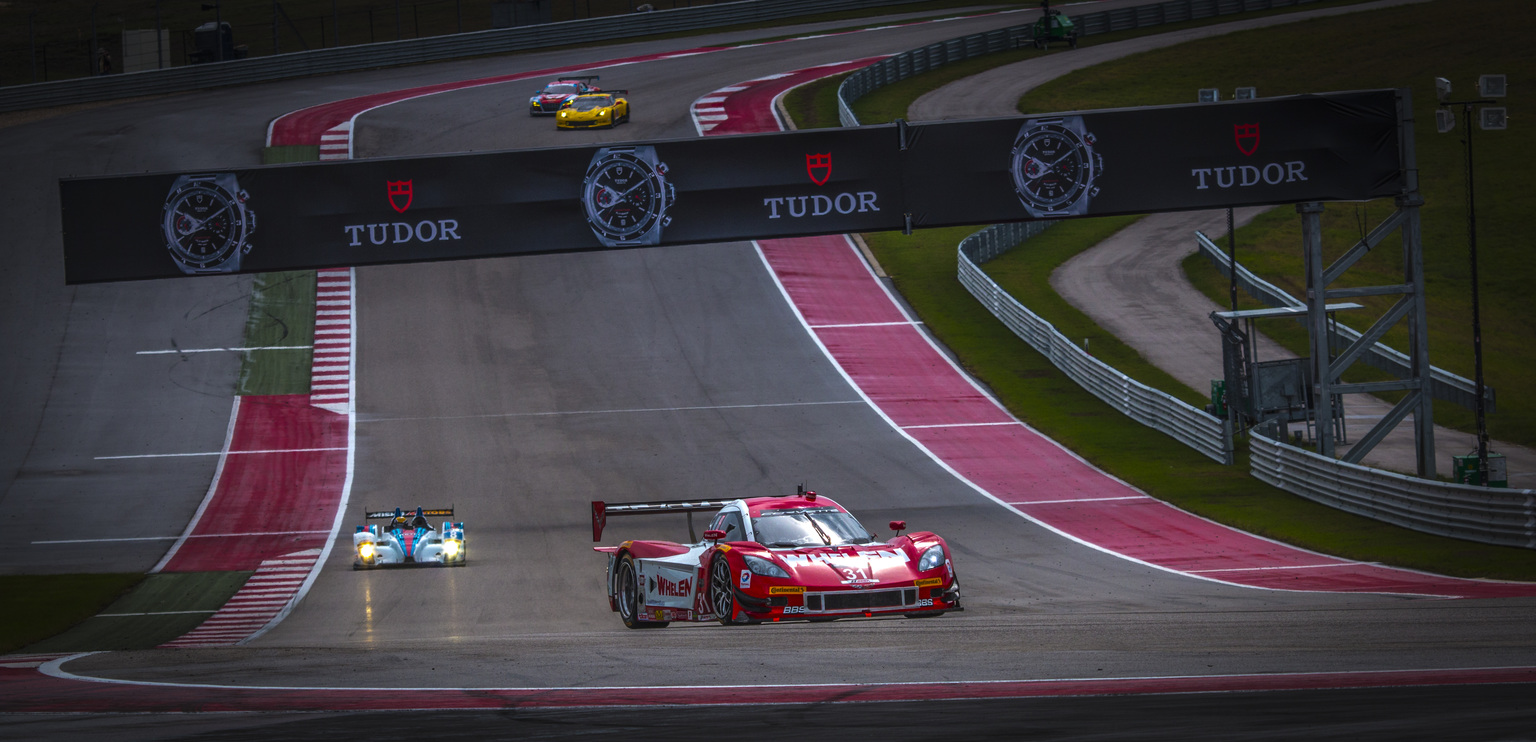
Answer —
722 593
628 598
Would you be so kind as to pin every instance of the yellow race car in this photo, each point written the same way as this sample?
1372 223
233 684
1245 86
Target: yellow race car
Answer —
608 108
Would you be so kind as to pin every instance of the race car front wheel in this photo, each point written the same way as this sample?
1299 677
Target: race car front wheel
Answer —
722 596
630 596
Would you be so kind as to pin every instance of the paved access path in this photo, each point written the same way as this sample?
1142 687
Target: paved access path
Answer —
1132 285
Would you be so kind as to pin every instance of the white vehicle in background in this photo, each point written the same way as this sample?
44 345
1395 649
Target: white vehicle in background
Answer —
408 540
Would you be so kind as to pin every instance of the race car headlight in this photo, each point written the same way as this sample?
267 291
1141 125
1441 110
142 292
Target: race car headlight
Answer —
932 558
365 550
562 114
451 548
603 112
761 566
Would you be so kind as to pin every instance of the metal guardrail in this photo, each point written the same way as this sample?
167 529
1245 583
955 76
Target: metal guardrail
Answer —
1189 425
1443 385
1490 515
413 51
933 56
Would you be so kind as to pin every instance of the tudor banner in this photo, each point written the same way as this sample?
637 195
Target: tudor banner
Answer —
1335 147
480 205
637 194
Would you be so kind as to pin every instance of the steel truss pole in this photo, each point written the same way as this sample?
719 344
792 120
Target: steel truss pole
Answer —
1317 324
1413 268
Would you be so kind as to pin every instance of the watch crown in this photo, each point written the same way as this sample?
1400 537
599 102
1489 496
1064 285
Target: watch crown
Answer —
661 168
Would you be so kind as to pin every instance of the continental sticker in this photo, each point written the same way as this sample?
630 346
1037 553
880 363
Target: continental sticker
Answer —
786 590
930 581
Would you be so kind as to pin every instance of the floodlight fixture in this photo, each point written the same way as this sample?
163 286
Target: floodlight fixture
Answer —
1493 118
1445 121
1248 93
1209 95
1491 86
1442 88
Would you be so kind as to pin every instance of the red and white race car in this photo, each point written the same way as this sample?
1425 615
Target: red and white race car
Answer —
791 557
549 99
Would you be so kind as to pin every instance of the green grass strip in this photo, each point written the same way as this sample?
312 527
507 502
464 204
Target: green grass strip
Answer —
282 314
158 609
39 606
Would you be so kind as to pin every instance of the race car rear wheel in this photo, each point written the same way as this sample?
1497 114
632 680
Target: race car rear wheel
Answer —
629 597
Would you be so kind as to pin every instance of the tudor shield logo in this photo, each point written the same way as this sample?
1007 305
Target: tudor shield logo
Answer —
400 193
1247 137
819 167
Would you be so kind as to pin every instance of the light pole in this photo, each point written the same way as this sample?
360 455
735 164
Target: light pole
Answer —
1491 118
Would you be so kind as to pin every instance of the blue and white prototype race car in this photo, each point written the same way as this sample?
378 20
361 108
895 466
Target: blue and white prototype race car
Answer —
408 539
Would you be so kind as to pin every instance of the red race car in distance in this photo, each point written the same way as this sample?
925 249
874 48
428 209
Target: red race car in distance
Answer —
790 557
548 100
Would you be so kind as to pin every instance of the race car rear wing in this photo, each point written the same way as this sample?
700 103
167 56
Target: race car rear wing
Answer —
397 512
601 510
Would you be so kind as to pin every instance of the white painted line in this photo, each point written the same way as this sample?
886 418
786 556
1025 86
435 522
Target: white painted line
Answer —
213 487
1266 569
332 293
334 303
867 324
218 350
709 109
215 453
1081 499
614 411
328 377
712 118
151 613
711 99
958 425
169 538
334 321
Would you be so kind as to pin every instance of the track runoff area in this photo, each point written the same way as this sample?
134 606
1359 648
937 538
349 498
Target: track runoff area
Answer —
859 326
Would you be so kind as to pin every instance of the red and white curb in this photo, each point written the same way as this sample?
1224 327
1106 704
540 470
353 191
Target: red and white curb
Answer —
264 597
330 374
708 112
336 142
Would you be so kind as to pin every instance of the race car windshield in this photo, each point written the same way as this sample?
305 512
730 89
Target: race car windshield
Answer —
588 104
559 89
828 527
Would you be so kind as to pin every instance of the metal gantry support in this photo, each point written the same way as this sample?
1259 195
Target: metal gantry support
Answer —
1326 367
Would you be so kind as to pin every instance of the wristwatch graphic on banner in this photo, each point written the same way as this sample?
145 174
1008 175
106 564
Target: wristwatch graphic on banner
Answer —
1054 166
207 223
626 196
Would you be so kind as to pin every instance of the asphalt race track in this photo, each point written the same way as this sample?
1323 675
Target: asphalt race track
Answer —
517 390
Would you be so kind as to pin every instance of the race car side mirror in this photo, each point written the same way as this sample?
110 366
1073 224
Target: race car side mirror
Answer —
714 535
898 526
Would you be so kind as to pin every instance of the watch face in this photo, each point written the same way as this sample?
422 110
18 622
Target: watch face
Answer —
204 225
624 197
1052 166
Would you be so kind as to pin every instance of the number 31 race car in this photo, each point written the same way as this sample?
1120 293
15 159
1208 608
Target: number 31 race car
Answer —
791 557
408 539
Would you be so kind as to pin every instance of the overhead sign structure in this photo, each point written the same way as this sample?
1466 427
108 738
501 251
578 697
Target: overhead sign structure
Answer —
1338 146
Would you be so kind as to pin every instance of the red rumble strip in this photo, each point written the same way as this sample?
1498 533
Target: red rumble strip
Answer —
922 394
